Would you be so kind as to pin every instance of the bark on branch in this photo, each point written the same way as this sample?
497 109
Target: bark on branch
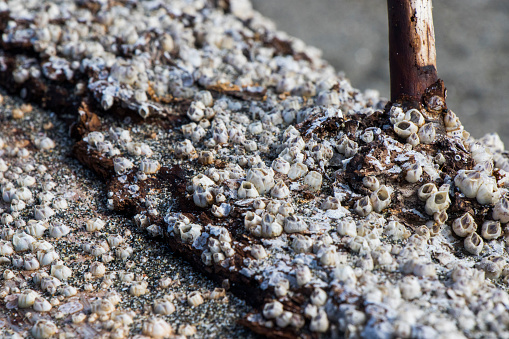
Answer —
412 54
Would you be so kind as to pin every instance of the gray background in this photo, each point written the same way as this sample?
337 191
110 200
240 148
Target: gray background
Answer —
472 39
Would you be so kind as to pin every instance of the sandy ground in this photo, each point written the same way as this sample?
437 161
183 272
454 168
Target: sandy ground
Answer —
472 48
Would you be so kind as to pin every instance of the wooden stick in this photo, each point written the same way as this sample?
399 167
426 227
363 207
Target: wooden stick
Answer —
412 54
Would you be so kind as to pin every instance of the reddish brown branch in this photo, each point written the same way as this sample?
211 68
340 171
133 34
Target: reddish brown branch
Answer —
412 54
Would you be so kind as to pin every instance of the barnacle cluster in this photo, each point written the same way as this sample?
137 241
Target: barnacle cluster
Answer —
338 208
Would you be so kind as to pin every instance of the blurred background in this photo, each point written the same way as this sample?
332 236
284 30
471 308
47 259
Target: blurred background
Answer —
472 40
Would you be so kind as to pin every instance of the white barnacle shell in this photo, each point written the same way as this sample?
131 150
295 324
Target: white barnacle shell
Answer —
138 288
157 328
30 262
270 227
141 220
27 298
319 323
468 182
396 230
321 152
47 257
138 148
473 243
281 287
272 310
262 179
280 165
221 211
93 138
123 252
115 240
301 243
6 248
413 139
451 121
194 298
415 116
17 205
204 97
426 190
60 271
381 198
68 291
327 255
8 192
286 209
185 149
41 305
437 202
347 227
258 252
202 180
206 258
206 157
488 192
367 136
501 210
345 273
247 190
491 230
121 165
218 257
331 203
202 196
370 182
22 241
405 128
297 170
255 127
102 307
318 297
363 206
414 173
119 134
284 319
189 233
314 180
427 133
94 224
44 143
163 306
45 197
358 244
6 219
35 229
251 220
97 269
280 190
104 146
196 111
26 180
410 288
60 204
303 275
250 145
464 225
43 329
328 98
149 166
294 224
